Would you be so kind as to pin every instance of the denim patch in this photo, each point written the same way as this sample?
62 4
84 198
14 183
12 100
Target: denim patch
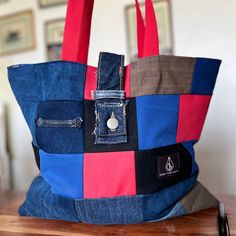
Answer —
110 106
205 74
60 126
159 168
64 173
131 120
157 117
106 111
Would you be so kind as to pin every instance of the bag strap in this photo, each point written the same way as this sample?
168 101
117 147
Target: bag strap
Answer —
78 26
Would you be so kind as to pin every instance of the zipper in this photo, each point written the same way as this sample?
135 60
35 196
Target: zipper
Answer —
75 123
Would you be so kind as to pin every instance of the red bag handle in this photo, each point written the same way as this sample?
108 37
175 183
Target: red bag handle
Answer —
78 26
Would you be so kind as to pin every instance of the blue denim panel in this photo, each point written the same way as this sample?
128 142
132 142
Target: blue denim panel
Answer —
205 74
104 111
64 173
110 71
120 210
157 117
33 83
155 204
60 138
57 80
177 210
189 146
41 202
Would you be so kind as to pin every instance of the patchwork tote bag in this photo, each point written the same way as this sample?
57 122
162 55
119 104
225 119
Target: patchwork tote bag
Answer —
114 144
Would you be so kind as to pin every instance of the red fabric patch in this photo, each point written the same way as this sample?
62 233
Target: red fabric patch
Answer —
192 114
91 82
109 174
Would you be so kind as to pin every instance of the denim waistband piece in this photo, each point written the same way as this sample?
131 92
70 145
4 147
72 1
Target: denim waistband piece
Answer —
110 106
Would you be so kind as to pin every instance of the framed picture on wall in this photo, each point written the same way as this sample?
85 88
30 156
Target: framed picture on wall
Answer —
163 14
50 3
54 31
17 33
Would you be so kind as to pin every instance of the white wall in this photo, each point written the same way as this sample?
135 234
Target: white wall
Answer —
201 28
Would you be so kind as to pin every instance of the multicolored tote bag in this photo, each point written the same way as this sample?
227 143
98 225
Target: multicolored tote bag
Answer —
117 140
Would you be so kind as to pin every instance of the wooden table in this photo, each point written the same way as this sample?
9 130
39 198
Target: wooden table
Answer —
202 223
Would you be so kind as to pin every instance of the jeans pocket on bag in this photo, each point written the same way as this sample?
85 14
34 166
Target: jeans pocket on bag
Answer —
59 127
110 127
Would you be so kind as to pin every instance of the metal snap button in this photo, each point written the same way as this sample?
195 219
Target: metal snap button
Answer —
112 123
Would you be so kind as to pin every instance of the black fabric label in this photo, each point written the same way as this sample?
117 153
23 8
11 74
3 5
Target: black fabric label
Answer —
168 166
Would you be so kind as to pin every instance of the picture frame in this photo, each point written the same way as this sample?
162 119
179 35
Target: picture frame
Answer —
17 33
51 3
165 30
54 31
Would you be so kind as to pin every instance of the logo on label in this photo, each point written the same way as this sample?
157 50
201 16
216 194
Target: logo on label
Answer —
169 165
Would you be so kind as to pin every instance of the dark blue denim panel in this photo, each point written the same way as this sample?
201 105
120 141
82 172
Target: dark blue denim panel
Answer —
41 202
64 173
33 83
110 71
205 74
67 135
120 210
104 111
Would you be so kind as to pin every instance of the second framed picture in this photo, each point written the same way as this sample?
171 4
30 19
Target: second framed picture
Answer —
163 14
54 31
50 3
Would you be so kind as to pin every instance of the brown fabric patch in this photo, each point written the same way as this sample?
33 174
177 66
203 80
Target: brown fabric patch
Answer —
199 198
162 75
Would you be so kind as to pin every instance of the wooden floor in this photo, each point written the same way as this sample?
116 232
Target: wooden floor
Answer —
202 223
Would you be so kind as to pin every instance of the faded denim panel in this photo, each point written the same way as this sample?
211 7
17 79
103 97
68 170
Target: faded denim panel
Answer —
41 202
205 75
120 210
161 75
34 83
60 127
155 204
